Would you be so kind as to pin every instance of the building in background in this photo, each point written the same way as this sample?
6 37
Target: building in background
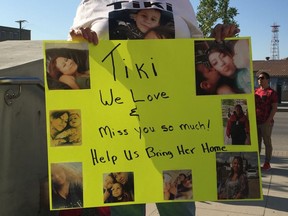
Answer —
9 33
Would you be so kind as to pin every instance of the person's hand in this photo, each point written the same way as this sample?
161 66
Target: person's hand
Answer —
84 33
222 31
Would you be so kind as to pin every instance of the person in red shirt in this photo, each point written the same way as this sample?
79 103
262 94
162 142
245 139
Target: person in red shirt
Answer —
266 100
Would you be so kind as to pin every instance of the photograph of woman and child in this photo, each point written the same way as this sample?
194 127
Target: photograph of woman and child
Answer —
67 186
236 121
118 187
65 128
141 24
67 66
222 68
177 184
232 179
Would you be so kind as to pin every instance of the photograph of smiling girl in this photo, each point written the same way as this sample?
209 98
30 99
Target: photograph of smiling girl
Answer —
134 24
67 66
237 175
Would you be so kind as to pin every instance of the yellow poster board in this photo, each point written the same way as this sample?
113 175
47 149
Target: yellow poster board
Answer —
134 118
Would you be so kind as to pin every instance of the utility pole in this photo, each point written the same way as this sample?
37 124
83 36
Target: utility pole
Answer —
20 27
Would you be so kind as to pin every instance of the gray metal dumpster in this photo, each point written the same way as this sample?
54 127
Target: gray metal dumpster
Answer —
23 150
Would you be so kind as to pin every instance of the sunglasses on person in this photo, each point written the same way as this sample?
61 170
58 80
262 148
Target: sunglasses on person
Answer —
261 78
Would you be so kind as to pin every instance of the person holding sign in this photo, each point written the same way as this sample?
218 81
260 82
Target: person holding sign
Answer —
93 21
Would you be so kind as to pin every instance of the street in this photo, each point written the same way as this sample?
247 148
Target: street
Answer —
280 132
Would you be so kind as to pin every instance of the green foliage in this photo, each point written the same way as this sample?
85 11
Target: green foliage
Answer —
211 11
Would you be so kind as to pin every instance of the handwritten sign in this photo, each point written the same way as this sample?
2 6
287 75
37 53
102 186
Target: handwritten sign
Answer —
140 117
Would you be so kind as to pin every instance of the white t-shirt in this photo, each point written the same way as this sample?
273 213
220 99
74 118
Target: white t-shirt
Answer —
103 16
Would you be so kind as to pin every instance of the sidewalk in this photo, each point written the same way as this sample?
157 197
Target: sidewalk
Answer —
275 194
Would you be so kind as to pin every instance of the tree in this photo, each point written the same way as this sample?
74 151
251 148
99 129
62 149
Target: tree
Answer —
211 11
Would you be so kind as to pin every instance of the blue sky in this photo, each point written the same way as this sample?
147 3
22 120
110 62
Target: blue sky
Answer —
51 20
